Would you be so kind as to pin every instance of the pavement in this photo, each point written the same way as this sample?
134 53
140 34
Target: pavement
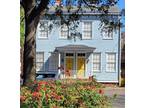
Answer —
119 101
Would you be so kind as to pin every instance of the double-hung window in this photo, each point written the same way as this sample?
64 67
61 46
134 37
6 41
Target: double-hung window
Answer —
111 62
64 32
43 29
40 61
96 62
87 30
107 33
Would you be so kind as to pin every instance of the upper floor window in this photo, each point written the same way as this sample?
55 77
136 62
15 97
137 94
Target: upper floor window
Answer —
107 33
43 29
64 32
110 62
40 61
87 30
96 61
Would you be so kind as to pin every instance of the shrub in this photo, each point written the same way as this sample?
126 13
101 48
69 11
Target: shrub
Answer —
64 94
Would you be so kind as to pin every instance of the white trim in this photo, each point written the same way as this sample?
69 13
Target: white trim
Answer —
39 33
83 21
41 62
77 63
106 54
59 63
97 71
108 81
60 37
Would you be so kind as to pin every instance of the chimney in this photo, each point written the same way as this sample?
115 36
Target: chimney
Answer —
58 2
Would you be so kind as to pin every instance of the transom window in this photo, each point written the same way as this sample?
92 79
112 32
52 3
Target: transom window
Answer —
111 62
96 61
43 29
64 32
107 33
81 54
40 61
87 30
69 54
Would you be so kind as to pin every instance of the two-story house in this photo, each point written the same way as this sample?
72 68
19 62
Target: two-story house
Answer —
96 54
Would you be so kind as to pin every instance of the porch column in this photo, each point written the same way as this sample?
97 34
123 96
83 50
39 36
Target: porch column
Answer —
59 64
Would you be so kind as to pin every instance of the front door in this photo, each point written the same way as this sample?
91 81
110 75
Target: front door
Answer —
69 67
80 67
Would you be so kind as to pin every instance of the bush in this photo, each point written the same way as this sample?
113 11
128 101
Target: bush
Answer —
122 82
64 94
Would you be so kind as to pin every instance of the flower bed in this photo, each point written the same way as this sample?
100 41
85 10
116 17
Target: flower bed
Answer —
64 94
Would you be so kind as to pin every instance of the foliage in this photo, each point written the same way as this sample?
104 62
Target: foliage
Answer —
64 94
22 30
122 82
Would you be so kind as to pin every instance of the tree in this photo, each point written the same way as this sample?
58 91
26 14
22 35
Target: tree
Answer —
34 10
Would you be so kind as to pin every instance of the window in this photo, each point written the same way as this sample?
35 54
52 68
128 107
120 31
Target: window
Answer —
53 62
96 62
43 29
81 54
107 33
64 32
87 30
69 54
40 61
111 62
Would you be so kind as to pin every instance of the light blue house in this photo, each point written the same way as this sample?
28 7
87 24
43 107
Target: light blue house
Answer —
96 53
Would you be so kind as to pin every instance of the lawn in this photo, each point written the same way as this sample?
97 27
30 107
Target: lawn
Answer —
66 93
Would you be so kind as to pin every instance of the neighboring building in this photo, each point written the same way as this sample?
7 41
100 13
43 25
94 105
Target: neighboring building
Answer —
96 54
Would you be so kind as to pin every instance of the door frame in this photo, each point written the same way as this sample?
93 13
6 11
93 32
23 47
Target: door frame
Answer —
75 56
85 63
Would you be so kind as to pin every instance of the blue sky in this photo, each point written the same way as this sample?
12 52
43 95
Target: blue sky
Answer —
121 5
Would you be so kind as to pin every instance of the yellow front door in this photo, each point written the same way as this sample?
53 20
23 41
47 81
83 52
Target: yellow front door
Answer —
80 67
69 67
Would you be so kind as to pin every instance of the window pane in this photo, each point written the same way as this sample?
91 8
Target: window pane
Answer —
107 34
39 57
87 30
39 61
39 66
111 62
43 29
64 31
96 62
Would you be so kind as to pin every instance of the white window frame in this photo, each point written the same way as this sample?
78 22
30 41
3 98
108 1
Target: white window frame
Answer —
83 31
110 62
46 31
107 34
96 62
65 30
42 62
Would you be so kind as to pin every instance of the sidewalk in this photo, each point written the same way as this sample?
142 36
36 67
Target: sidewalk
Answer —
119 102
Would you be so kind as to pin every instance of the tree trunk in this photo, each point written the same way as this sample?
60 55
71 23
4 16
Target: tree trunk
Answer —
30 50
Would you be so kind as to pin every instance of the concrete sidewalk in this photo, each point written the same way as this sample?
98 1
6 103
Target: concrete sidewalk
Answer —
119 102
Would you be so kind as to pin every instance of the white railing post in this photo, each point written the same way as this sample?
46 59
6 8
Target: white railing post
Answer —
59 65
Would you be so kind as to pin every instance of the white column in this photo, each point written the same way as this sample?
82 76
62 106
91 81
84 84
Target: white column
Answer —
59 60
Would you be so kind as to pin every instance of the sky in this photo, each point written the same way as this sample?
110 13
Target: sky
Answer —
121 5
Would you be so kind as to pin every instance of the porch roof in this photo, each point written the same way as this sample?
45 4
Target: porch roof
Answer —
75 48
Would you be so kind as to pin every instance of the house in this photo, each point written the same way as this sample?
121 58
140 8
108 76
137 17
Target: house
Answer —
96 53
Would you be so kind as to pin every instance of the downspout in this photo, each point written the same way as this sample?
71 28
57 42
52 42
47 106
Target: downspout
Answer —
119 53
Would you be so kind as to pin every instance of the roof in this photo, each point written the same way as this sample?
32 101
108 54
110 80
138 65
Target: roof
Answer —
75 48
113 10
